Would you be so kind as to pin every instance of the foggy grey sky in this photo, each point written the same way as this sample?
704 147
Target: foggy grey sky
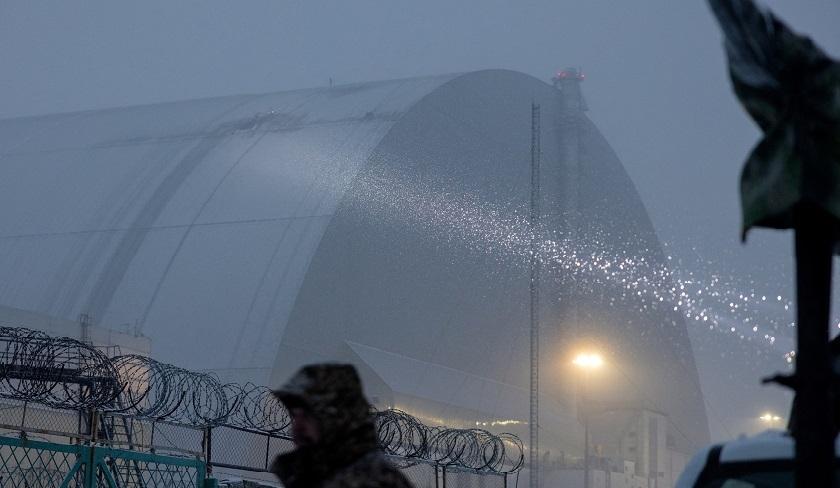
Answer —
656 81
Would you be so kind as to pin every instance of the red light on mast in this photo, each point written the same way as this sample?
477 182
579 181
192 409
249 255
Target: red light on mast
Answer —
569 74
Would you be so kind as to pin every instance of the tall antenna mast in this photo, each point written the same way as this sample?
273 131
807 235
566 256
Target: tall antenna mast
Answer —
572 105
534 220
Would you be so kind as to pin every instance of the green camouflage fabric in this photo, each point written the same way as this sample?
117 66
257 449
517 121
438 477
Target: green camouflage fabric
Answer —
348 454
791 88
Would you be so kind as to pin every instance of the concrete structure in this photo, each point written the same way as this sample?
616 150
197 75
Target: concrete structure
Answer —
381 223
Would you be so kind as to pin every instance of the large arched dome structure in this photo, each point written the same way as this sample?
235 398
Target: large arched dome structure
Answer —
379 223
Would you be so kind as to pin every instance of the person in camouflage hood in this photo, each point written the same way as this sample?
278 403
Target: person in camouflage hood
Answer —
333 431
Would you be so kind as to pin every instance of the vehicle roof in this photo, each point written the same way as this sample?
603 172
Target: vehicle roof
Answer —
770 444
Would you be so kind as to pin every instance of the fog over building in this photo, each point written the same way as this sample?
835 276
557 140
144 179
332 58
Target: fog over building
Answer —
381 223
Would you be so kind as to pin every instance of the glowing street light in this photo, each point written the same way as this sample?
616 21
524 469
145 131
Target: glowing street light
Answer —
588 361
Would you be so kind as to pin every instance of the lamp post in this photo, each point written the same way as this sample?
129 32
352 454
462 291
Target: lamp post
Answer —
588 362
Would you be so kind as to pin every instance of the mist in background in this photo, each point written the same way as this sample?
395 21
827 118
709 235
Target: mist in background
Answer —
656 86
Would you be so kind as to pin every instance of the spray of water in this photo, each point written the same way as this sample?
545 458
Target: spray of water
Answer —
709 298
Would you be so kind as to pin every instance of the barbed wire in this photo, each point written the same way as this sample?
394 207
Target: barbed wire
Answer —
401 434
257 409
157 390
59 372
69 374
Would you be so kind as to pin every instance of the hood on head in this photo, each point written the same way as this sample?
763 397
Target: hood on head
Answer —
332 393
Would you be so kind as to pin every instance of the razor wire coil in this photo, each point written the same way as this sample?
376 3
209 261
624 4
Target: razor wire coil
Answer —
65 373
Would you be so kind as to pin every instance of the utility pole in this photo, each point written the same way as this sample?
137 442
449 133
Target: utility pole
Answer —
586 474
534 221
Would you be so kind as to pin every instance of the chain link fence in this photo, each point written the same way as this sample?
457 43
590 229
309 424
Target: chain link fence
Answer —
128 469
66 392
38 464
242 450
464 478
27 465
221 446
421 474
139 433
34 418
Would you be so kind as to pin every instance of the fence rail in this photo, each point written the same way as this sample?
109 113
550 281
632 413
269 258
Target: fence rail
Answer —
28 463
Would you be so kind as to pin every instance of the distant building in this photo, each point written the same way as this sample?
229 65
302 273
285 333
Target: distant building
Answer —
380 223
111 341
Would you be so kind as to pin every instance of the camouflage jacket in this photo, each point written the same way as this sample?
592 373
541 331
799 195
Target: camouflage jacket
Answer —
371 470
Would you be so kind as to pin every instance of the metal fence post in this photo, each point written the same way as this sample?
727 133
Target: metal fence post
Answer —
267 450
152 438
90 466
94 425
23 418
208 450
209 445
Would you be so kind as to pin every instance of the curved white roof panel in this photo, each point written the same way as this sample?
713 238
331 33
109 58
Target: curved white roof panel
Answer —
108 212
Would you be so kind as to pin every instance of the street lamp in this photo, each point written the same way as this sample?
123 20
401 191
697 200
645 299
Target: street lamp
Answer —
588 362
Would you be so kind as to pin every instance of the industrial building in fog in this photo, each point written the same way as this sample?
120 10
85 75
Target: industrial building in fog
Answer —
384 224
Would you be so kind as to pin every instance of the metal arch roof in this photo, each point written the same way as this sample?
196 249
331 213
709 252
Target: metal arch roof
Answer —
198 220
191 119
